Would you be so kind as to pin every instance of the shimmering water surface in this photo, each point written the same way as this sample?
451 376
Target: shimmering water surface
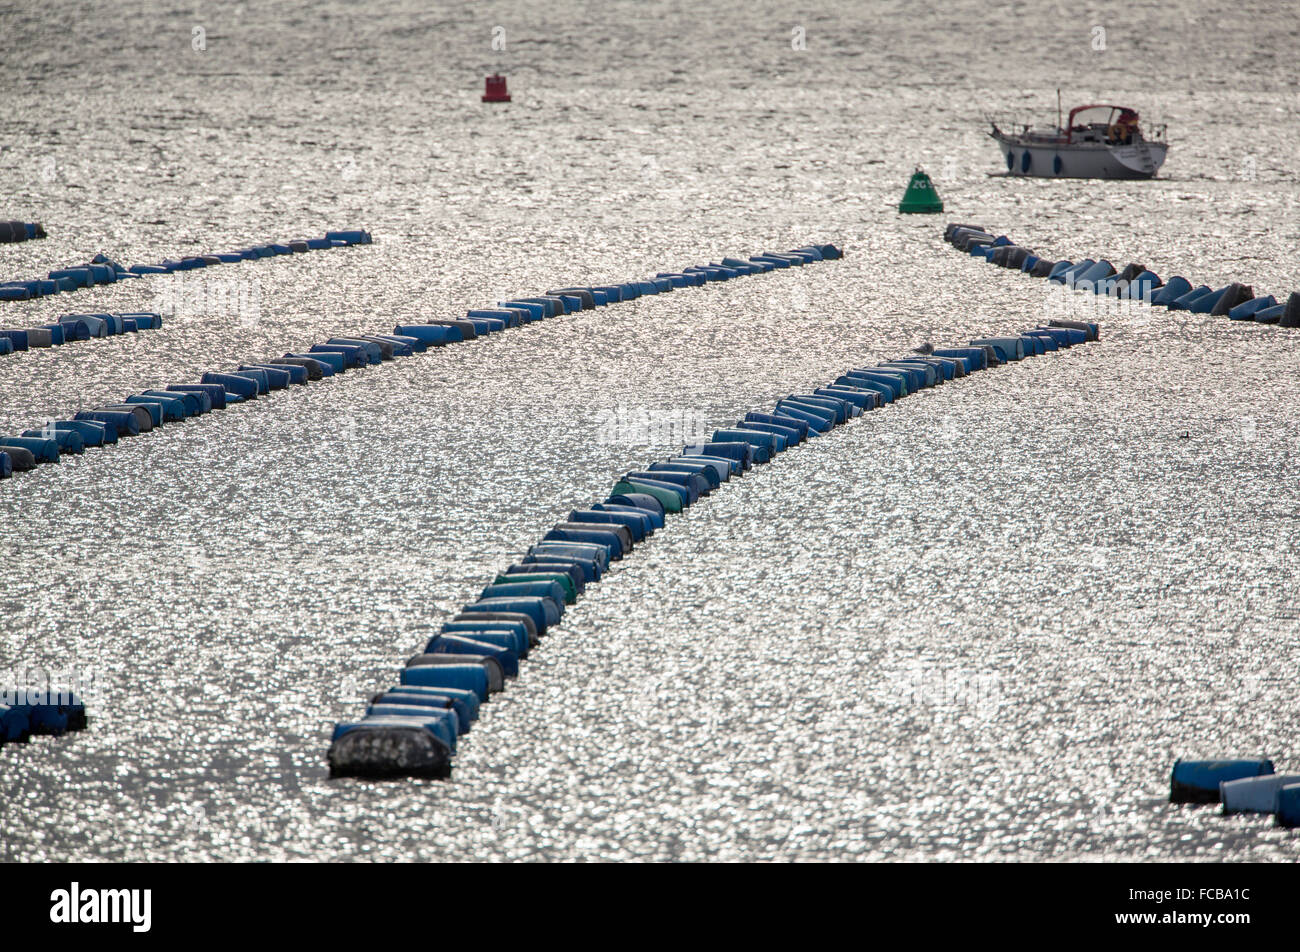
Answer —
979 624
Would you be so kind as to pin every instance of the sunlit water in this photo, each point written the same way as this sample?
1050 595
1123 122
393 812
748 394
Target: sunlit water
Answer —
979 624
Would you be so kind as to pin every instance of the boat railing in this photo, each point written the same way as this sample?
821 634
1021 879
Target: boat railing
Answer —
1008 123
1014 124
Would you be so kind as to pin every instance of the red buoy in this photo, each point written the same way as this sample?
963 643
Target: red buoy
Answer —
494 89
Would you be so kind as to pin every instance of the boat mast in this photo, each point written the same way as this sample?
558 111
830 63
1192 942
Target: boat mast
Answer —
1058 107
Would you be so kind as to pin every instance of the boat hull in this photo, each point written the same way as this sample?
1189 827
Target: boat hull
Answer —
1037 160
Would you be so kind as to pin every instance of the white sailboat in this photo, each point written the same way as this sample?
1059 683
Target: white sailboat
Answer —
1099 140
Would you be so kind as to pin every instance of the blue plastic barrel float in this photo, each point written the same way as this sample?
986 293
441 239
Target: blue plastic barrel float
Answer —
239 384
1287 806
864 400
1185 302
1197 781
591 563
738 450
544 612
500 662
493 669
123 422
1254 794
43 449
845 410
702 477
519 638
467 676
68 441
21 459
494 636
1050 343
1232 297
464 703
1246 310
215 393
763 444
1175 288
1067 276
734 466
653 515
15 724
499 650
900 382
442 720
831 409
432 335
42 337
690 487
351 356
49 711
615 538
635 524
169 409
389 746
818 418
150 414
1007 348
672 498
1091 329
1206 303
751 421
92 432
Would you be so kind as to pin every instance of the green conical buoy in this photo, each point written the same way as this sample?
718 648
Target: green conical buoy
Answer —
920 197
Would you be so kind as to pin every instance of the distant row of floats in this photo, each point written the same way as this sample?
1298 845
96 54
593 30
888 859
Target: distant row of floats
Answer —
1135 281
104 270
411 728
1240 785
149 409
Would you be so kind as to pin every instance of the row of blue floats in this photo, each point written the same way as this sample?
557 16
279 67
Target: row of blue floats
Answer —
25 712
104 270
1240 786
524 310
11 231
142 412
148 410
1234 300
71 327
411 728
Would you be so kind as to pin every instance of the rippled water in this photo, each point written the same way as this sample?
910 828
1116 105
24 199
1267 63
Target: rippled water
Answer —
979 624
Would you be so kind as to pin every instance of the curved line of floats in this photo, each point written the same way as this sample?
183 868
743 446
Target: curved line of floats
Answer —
411 729
12 231
143 412
1235 301
1240 785
104 270
54 712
